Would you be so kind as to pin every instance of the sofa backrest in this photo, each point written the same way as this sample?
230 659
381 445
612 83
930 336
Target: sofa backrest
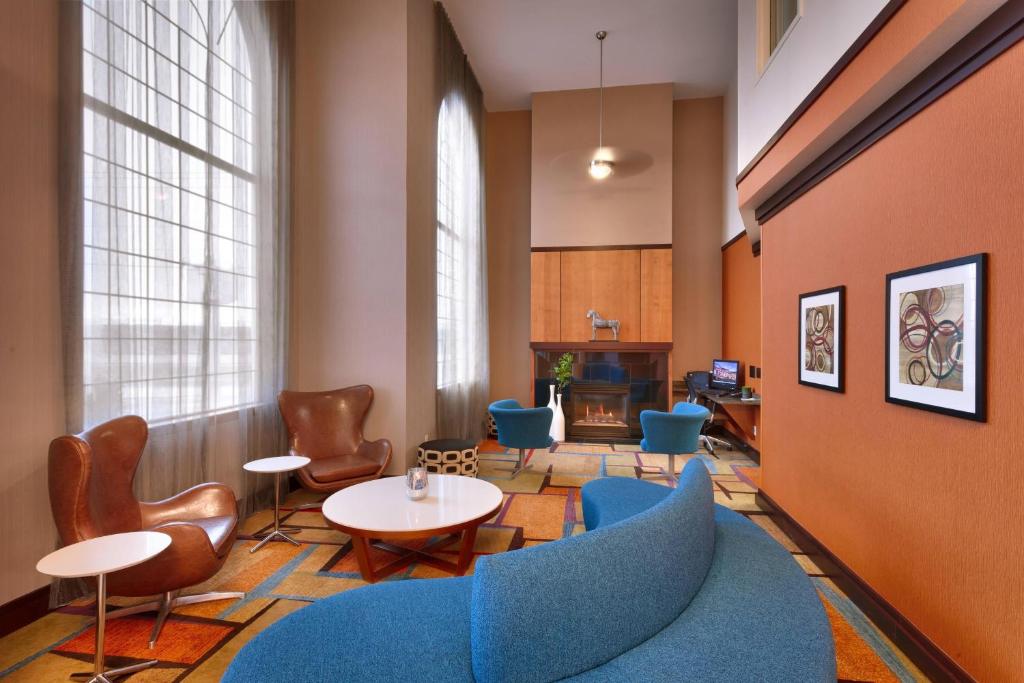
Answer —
558 609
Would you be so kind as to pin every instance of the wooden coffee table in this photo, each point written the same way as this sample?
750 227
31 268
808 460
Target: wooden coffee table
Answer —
378 512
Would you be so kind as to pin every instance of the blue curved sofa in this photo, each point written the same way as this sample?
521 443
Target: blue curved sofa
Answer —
664 586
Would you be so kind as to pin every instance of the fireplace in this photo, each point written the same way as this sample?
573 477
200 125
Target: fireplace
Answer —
598 411
612 383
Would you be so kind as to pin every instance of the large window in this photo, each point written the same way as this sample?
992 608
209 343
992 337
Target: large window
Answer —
451 228
170 251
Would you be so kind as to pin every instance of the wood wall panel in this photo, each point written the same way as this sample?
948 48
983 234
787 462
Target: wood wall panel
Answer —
606 281
545 296
656 295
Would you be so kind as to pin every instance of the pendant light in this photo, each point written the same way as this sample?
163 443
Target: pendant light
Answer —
600 168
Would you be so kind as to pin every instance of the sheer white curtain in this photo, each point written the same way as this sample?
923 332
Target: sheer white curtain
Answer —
174 229
462 343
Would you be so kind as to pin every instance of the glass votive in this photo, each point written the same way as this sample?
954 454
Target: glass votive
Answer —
416 483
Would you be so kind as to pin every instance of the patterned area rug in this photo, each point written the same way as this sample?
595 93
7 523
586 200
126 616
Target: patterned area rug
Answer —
540 505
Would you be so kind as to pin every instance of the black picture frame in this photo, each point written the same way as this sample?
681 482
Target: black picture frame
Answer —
839 335
979 392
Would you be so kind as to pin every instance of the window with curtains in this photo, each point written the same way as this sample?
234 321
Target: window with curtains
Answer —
170 251
453 232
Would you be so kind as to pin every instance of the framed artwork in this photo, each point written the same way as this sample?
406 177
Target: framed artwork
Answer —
821 323
935 337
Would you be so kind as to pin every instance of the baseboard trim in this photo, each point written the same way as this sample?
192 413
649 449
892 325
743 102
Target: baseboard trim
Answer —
23 611
928 657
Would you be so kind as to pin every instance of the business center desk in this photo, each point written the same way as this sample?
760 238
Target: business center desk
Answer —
743 418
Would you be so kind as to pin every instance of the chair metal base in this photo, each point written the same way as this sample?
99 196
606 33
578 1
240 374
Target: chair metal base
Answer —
110 674
165 605
518 468
708 442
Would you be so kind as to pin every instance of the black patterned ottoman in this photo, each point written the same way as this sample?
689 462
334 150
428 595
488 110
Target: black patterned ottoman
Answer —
449 456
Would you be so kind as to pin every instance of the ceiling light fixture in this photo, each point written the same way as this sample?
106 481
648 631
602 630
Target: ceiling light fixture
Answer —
600 167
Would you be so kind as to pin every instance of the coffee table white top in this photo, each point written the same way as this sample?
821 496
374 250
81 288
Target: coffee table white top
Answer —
281 463
382 506
103 554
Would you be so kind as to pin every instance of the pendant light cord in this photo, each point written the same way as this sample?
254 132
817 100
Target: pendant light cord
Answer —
600 95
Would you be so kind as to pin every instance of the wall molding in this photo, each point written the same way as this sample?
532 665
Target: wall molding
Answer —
999 32
24 610
928 656
863 39
603 247
734 239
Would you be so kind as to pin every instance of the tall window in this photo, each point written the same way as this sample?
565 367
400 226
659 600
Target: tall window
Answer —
170 247
452 234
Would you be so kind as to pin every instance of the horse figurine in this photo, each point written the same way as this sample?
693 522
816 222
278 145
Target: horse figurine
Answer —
596 322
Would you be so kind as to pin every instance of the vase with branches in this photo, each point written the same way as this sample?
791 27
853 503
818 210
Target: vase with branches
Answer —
562 372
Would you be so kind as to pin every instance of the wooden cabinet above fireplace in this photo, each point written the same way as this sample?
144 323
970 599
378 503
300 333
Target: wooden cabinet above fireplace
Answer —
630 284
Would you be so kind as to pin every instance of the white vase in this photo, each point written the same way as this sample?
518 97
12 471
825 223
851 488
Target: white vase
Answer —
558 421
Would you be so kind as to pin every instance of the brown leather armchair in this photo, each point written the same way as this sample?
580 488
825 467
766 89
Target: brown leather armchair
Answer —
327 428
90 480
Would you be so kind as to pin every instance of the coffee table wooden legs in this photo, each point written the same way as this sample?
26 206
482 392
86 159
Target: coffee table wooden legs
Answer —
407 556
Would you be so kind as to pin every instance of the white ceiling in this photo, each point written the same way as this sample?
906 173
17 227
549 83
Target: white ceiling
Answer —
518 47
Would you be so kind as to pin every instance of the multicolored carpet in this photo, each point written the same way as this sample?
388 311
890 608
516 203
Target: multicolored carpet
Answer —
541 505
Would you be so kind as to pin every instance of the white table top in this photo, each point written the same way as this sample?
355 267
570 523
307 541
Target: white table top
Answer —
103 554
381 505
281 463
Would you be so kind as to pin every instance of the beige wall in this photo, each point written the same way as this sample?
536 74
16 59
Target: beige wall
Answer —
697 200
697 218
421 223
508 253
361 289
31 393
634 205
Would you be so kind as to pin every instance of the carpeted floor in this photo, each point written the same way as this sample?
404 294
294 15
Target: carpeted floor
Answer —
540 505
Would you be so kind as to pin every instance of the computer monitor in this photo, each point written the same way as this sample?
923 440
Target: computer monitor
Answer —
725 374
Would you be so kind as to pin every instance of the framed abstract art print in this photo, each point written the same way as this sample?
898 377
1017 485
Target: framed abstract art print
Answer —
821 341
935 337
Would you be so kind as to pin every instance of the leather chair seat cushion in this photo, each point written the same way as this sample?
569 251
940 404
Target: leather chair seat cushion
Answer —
340 467
221 531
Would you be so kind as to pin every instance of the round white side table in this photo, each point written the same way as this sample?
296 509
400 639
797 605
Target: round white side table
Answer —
98 557
277 466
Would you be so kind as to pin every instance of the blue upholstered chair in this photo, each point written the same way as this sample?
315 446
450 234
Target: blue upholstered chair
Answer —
521 428
674 433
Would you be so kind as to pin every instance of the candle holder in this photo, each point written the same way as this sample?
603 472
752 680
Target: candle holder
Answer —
416 483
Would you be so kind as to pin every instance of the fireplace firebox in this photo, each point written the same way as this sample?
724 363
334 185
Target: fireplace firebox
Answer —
598 411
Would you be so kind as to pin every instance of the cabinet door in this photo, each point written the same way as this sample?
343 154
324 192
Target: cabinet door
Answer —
545 296
607 281
656 295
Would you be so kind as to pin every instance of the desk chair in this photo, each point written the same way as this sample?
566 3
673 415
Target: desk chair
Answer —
521 428
697 382
675 433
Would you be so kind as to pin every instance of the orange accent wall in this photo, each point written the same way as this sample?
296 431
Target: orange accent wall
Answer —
906 36
741 306
926 508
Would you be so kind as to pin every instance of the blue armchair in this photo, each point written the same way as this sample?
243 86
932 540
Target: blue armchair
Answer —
674 433
521 428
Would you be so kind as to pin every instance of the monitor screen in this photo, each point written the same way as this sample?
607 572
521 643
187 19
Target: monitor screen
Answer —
725 374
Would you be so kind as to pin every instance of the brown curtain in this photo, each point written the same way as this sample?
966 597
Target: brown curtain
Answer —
463 373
